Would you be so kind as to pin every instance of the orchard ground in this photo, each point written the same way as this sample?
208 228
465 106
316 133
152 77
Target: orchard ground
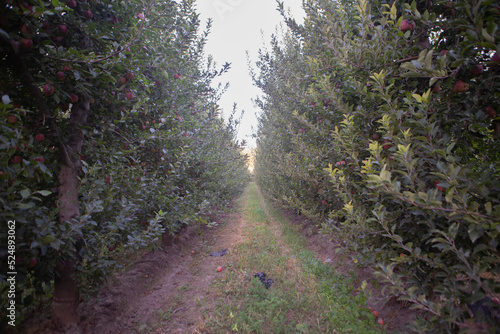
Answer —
177 289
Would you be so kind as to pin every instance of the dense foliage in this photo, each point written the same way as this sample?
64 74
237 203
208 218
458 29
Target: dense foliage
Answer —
380 118
110 138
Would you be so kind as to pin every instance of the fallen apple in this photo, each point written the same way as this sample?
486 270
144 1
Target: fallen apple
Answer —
219 269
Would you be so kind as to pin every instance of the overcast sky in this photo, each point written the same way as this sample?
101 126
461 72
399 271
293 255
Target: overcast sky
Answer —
240 26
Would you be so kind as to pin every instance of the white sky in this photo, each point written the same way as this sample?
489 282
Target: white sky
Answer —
240 26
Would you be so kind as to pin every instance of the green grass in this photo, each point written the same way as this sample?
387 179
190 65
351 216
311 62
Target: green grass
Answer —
307 296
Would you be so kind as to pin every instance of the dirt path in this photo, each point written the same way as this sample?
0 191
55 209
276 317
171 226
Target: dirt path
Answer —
178 289
167 291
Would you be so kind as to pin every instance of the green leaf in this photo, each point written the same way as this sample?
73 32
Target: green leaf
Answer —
394 11
44 192
489 208
25 193
428 59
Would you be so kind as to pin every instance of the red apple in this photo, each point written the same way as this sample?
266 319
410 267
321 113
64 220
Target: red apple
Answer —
40 159
495 58
63 29
89 14
144 127
12 119
380 321
495 300
123 81
39 137
177 76
219 269
25 30
460 87
375 136
71 3
476 70
15 45
490 112
111 248
48 89
375 313
60 76
436 88
17 159
437 186
130 75
27 43
129 95
73 98
406 25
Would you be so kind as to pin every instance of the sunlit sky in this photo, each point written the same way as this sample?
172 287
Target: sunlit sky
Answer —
240 26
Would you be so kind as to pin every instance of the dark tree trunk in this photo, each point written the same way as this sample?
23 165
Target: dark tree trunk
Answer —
66 294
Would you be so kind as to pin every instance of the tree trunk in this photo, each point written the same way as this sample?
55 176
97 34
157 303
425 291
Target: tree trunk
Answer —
66 294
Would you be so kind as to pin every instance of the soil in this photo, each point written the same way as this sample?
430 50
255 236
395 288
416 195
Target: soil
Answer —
169 290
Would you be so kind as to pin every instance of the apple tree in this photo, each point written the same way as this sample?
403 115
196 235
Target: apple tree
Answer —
104 106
